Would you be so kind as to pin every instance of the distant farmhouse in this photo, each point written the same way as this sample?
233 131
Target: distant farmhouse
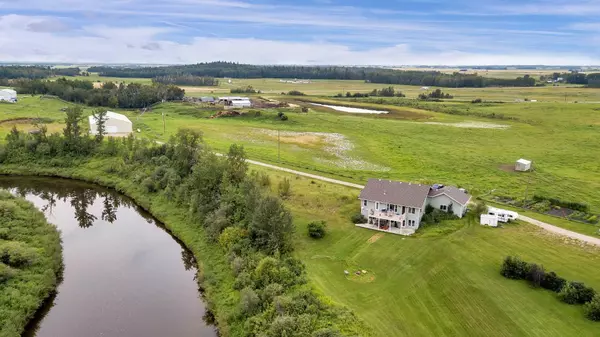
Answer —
8 95
116 125
398 207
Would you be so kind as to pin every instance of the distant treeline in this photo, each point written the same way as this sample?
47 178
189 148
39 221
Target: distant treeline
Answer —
35 72
191 80
592 80
133 95
374 75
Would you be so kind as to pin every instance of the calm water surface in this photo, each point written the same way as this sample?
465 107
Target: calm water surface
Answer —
124 274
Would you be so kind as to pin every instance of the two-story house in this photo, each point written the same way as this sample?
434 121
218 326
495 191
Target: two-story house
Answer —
398 207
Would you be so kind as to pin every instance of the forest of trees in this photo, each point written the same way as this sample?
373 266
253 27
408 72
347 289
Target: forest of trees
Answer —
35 72
133 95
191 80
374 75
216 195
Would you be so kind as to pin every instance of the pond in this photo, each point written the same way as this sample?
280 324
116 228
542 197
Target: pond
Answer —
351 110
124 274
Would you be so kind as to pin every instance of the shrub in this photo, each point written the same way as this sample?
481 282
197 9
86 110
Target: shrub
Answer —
230 236
576 293
296 93
279 114
304 109
592 309
284 118
477 100
16 254
284 188
6 273
514 268
242 281
536 275
316 229
249 302
553 282
358 218
429 209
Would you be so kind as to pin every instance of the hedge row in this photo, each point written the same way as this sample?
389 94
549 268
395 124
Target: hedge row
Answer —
569 292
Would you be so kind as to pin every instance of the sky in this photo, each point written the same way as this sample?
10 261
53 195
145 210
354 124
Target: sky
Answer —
313 32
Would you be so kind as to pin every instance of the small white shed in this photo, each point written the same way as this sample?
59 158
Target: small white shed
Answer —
8 95
489 220
523 165
115 125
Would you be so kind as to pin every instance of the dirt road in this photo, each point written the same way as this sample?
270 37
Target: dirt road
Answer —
561 231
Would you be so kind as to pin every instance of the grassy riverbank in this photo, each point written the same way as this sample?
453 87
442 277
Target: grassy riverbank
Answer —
215 275
30 262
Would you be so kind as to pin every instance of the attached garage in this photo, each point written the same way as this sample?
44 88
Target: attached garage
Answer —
116 125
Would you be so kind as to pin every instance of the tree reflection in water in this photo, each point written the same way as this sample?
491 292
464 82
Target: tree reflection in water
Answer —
80 195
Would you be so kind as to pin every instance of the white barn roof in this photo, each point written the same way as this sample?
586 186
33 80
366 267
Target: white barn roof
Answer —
9 91
524 161
111 115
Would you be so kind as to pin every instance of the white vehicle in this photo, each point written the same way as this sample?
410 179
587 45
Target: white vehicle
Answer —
489 220
503 215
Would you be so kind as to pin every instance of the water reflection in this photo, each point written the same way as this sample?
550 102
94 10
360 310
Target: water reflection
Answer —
124 279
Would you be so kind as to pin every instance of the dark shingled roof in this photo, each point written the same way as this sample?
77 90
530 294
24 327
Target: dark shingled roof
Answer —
452 192
395 192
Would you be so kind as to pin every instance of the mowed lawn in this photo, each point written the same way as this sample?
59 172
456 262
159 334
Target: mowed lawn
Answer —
443 282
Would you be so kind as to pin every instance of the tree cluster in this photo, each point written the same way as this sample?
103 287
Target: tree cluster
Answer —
190 80
369 74
385 92
592 79
244 90
35 72
234 208
569 292
436 94
133 95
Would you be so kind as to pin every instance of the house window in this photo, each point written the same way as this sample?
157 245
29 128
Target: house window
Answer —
377 206
412 210
365 203
443 207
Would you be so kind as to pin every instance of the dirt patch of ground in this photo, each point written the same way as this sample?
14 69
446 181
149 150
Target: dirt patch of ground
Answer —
202 89
228 113
471 125
334 144
507 167
375 237
360 276
19 121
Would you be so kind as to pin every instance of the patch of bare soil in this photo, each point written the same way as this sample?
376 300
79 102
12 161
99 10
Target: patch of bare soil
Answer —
227 113
375 237
507 167
19 121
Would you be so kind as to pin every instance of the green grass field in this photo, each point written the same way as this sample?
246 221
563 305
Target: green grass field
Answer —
443 282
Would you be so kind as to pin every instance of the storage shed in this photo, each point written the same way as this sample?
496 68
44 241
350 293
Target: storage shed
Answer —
523 165
116 125
8 95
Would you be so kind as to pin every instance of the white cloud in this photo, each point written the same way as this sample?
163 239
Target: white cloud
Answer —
111 44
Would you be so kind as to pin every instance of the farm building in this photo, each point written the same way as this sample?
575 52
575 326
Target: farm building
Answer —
523 165
398 207
8 95
115 125
236 102
207 99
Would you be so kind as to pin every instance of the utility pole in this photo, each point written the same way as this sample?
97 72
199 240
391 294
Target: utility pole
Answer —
278 147
164 125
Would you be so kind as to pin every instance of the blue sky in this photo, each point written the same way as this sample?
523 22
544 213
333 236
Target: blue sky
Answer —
393 32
